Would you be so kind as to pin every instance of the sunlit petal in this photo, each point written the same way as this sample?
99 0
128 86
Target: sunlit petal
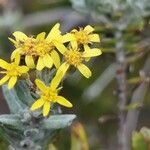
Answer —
89 29
39 103
74 30
17 58
47 60
84 70
12 82
29 61
56 80
4 79
40 85
13 41
86 48
92 53
40 64
56 58
68 37
23 69
54 33
41 36
61 48
20 36
74 45
46 108
14 53
62 69
4 64
62 101
94 38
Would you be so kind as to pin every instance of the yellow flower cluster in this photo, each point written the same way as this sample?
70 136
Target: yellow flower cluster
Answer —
12 71
44 51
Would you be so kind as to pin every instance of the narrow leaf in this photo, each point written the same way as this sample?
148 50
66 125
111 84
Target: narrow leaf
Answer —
23 93
15 105
11 120
58 121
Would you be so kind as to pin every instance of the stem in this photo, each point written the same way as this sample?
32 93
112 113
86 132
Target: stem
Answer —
122 90
137 97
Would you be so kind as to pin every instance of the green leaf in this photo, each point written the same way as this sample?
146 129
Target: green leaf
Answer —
14 103
23 93
134 80
57 121
13 121
138 142
133 106
78 137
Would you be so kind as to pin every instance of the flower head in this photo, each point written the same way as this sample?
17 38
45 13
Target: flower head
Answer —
84 36
41 49
12 71
73 56
48 96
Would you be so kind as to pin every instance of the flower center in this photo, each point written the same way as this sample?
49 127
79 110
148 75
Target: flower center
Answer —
50 95
43 47
13 70
73 57
82 37
35 47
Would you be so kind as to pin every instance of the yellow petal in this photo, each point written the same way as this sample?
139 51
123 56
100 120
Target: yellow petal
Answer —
41 85
12 82
41 36
92 53
74 30
39 103
86 47
56 81
74 45
84 70
13 41
20 36
67 38
46 108
17 59
54 33
89 29
61 48
23 69
29 61
62 70
62 101
47 60
56 58
4 64
94 38
4 79
40 64
14 53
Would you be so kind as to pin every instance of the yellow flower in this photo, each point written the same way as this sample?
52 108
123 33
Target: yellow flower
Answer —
84 36
73 56
40 48
12 71
48 96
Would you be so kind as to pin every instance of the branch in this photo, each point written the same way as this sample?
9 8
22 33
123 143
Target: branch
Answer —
137 97
122 90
